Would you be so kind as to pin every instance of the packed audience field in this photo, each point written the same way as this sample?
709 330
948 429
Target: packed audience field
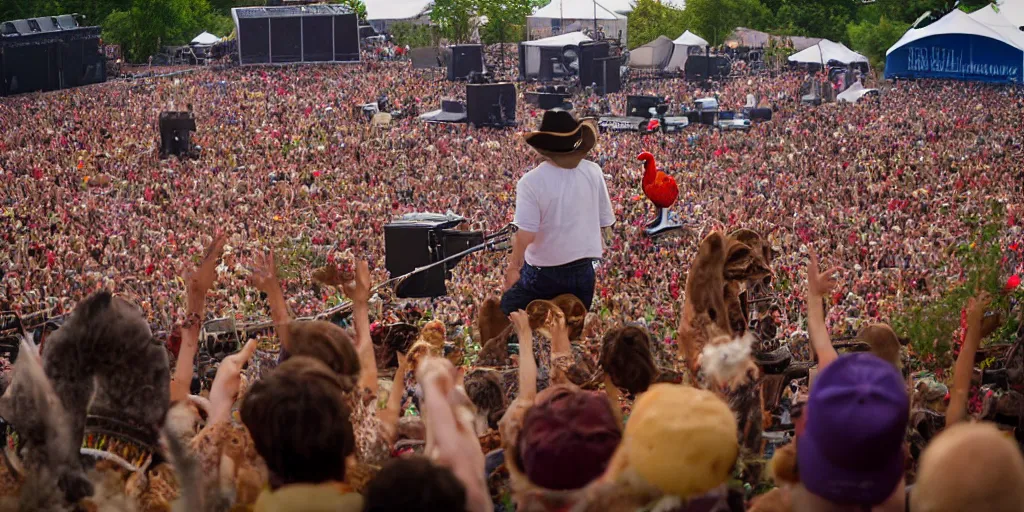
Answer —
292 178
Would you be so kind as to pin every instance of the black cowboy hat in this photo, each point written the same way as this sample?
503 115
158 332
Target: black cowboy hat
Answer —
563 139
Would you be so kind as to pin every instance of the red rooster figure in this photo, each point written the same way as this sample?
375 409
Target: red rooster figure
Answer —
663 191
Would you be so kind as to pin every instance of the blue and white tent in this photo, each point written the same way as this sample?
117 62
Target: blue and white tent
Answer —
982 48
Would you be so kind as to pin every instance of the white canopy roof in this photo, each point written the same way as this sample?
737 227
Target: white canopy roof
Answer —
690 39
626 6
395 9
205 38
825 51
1012 10
560 40
996 21
854 93
577 10
956 22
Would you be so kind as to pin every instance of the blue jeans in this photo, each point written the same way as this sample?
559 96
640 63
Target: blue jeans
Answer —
547 283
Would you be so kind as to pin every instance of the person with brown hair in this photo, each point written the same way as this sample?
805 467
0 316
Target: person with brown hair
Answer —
352 361
415 483
300 425
626 359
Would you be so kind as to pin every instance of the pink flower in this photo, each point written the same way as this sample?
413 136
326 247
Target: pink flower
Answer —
1012 283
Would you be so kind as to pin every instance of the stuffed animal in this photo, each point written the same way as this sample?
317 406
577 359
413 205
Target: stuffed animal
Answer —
713 335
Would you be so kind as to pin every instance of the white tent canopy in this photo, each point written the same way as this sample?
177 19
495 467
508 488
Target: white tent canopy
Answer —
380 10
1012 10
205 38
572 38
826 51
577 10
690 39
682 50
999 23
854 93
956 22
571 15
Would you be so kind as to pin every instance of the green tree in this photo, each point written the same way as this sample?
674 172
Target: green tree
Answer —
874 39
714 20
412 34
651 18
825 18
149 24
506 19
357 6
455 19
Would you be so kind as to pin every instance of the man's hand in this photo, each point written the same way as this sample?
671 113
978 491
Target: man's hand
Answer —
201 280
511 277
358 289
555 323
820 284
264 274
976 307
455 444
224 390
521 321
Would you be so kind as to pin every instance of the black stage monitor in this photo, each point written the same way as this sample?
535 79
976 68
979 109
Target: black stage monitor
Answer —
491 104
465 59
640 106
589 53
176 133
410 244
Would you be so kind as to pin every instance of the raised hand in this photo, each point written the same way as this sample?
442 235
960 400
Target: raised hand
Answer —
358 289
820 284
976 307
224 390
521 322
264 273
201 279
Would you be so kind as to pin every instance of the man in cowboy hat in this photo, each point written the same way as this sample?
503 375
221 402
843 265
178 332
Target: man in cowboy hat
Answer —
561 207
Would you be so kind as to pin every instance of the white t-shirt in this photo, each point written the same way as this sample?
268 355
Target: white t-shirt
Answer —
566 208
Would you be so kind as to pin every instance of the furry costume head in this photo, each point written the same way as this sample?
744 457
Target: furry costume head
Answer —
714 319
485 391
45 452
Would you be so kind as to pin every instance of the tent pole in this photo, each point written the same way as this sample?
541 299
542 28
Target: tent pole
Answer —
595 18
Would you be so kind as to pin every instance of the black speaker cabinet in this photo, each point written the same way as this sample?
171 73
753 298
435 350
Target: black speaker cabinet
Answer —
465 59
589 70
412 245
491 104
176 133
640 106
608 78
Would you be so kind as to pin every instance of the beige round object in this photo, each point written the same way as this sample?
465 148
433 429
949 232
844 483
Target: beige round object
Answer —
970 467
681 439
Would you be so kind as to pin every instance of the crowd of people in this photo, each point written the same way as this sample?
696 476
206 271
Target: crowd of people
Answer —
292 178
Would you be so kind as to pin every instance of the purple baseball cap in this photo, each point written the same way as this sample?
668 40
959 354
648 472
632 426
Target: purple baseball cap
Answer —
851 452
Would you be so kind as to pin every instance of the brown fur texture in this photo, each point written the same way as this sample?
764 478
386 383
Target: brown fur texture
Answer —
715 303
491 320
704 309
105 362
484 389
49 458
